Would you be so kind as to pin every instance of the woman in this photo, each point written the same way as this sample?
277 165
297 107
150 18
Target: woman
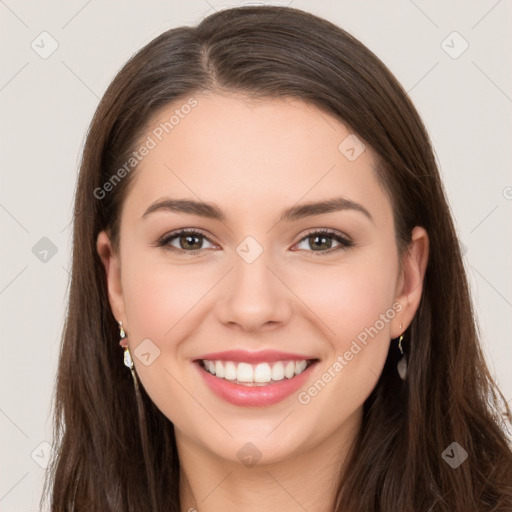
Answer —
261 225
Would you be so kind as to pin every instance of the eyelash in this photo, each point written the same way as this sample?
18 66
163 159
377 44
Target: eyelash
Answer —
164 241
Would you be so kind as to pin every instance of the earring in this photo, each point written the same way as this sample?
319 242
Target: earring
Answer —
128 361
402 364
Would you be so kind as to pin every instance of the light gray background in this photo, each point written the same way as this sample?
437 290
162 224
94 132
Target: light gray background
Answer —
47 104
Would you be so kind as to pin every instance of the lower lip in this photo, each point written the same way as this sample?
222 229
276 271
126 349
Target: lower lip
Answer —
254 396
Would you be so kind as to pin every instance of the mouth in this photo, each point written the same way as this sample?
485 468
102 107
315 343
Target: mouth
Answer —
259 383
261 374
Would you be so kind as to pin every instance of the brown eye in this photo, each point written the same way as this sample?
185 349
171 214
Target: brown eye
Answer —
188 241
322 241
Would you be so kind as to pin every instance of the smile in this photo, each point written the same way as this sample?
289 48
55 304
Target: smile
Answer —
255 374
260 383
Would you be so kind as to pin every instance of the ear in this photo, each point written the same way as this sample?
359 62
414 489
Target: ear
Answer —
410 283
112 265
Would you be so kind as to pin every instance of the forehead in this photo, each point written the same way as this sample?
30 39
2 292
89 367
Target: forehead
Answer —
248 153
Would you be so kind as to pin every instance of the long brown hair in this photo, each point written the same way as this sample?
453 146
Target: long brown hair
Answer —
115 451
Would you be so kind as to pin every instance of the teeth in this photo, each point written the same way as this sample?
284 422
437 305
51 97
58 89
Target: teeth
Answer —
278 371
289 370
245 372
219 370
255 374
230 371
262 373
299 368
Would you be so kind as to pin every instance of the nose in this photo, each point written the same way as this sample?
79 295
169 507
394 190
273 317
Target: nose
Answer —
254 295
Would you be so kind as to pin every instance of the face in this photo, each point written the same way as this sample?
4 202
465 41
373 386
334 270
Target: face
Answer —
261 293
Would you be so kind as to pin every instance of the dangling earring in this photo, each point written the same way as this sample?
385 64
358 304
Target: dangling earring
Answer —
402 364
128 361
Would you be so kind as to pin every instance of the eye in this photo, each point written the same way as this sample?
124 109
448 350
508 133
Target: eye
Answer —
187 240
191 241
323 240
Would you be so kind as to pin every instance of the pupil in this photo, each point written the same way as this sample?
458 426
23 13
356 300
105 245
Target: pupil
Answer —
323 238
188 238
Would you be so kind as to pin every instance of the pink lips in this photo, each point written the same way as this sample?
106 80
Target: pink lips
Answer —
254 396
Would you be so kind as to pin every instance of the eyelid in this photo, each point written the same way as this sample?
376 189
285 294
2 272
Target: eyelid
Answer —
327 231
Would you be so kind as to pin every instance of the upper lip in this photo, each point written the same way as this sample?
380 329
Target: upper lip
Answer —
262 356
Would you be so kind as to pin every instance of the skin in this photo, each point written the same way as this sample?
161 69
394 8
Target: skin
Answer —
254 158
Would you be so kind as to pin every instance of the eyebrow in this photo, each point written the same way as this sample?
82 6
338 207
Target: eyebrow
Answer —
212 211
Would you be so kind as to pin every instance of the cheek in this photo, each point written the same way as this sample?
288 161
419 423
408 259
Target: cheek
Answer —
158 295
160 301
348 298
355 301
